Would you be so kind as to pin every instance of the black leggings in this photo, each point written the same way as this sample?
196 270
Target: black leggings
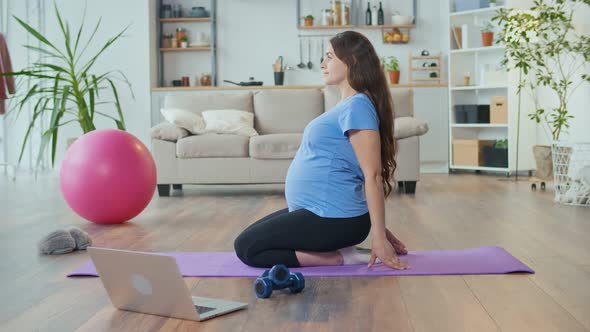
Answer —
275 238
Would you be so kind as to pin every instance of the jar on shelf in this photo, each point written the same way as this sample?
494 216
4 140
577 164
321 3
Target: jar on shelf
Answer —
180 35
177 10
345 16
205 80
327 17
173 42
167 40
166 11
337 10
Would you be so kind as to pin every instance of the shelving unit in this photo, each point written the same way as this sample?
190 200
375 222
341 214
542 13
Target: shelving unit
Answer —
353 20
486 80
161 51
437 69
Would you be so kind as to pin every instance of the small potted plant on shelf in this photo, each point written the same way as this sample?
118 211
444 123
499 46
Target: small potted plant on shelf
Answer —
308 20
492 3
487 33
184 42
391 65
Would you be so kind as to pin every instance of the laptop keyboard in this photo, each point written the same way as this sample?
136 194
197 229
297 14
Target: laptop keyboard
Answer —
202 309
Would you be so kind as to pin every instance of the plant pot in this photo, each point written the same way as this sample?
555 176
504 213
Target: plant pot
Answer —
394 77
184 44
308 22
487 38
544 162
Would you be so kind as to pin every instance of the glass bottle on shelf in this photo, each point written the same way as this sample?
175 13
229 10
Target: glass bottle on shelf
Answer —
374 16
380 20
368 15
180 33
327 17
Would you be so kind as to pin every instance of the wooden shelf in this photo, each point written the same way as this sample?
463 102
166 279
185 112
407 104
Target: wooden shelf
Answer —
325 27
424 57
393 26
188 49
285 87
185 19
361 27
427 68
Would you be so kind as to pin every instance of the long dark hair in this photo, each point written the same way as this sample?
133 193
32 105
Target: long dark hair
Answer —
366 75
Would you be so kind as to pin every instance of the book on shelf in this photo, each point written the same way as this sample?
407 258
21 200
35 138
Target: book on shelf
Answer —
457 37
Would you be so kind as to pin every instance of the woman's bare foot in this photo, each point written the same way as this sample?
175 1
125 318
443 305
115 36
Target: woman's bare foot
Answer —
313 258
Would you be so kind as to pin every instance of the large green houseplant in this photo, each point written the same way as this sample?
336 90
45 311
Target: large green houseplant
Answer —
542 44
63 87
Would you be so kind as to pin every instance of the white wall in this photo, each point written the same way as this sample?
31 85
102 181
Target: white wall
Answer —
578 104
251 35
129 54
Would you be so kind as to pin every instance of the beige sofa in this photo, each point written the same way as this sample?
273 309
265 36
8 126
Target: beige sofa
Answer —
280 117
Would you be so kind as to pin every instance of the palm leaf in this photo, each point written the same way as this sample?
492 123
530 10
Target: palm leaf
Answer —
121 123
37 35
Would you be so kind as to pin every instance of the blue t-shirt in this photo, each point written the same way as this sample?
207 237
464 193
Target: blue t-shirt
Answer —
325 176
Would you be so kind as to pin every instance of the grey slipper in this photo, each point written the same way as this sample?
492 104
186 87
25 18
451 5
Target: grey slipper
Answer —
82 238
57 242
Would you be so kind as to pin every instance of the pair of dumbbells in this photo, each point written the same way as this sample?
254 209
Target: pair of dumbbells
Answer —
278 277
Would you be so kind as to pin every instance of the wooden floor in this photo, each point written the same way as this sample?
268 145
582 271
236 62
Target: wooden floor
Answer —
448 212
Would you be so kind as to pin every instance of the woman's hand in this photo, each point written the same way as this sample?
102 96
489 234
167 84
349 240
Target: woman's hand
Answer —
385 252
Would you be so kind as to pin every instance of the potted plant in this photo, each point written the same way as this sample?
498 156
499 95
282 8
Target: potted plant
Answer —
547 51
64 89
487 33
391 65
492 3
308 20
184 42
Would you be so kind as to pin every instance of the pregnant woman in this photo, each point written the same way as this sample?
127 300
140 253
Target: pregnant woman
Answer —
338 181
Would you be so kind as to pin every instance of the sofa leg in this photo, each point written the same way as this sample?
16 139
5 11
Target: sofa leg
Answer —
409 187
177 186
164 190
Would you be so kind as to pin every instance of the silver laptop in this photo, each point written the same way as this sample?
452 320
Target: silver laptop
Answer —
151 283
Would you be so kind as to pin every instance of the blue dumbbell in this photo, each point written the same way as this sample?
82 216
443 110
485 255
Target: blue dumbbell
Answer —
278 277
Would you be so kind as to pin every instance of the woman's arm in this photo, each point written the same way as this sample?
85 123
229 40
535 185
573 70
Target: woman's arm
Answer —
367 147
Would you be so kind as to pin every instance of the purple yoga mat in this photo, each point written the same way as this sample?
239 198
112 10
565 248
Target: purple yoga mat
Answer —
483 260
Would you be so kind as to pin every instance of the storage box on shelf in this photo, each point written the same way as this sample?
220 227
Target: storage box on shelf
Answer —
469 152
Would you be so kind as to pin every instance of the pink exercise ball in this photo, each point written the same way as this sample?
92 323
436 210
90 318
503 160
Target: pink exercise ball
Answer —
108 176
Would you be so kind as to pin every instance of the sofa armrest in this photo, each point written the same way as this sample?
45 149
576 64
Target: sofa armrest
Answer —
409 126
168 132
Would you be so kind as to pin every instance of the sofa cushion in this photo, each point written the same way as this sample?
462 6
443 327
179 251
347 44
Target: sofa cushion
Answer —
191 121
275 146
212 145
210 101
230 122
168 132
408 126
403 100
286 111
